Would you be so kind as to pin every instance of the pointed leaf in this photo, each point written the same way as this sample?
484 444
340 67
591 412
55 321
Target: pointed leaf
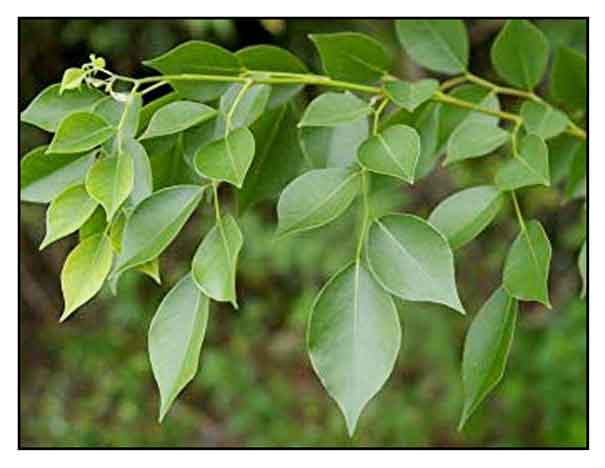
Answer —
543 120
582 269
95 224
176 117
72 79
529 167
474 139
143 177
151 269
333 109
411 95
250 106
79 132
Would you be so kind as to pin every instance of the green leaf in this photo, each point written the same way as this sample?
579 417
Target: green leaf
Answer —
462 216
95 224
352 56
228 159
353 338
110 181
333 109
561 153
529 167
200 58
143 177
582 269
250 106
393 152
527 264
79 132
486 349
426 123
151 269
149 110
44 176
543 120
410 95
125 116
569 79
50 107
84 272
175 339
72 79
439 45
576 180
412 260
215 261
474 139
67 213
176 117
154 224
314 199
520 54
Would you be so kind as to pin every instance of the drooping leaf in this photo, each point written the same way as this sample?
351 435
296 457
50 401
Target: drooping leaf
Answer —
50 107
95 224
527 264
176 117
353 338
175 339
228 159
543 120
250 106
440 45
334 109
582 269
215 261
412 260
79 132
197 57
520 54
486 349
72 79
474 139
143 177
314 199
352 56
529 167
393 152
569 79
84 272
44 176
410 95
462 216
67 213
123 115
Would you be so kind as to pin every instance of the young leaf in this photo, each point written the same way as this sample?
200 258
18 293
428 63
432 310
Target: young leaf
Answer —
543 120
462 216
72 79
79 132
95 224
143 177
529 167
333 109
175 339
228 159
520 54
50 107
412 260
569 78
353 338
474 139
110 181
486 349
352 56
440 45
250 106
393 152
582 268
84 272
410 95
215 261
44 176
176 117
314 199
201 58
527 264
67 213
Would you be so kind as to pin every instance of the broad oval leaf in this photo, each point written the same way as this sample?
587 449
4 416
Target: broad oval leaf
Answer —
333 109
393 152
124 115
95 224
582 269
569 78
486 349
527 265
440 45
176 117
462 216
520 54
79 132
50 107
44 176
84 272
215 261
353 338
543 120
352 56
250 106
314 199
72 79
67 213
412 260
228 159
410 95
175 338
528 167
474 139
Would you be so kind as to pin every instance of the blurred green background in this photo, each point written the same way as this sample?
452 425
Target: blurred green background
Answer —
88 382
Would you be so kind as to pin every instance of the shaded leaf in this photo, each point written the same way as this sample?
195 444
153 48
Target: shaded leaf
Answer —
529 167
96 224
543 120
569 79
143 177
250 106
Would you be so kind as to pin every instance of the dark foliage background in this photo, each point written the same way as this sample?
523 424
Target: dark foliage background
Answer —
88 382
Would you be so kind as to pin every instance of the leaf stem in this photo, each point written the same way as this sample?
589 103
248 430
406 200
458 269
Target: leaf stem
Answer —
447 99
518 211
247 85
365 214
381 107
